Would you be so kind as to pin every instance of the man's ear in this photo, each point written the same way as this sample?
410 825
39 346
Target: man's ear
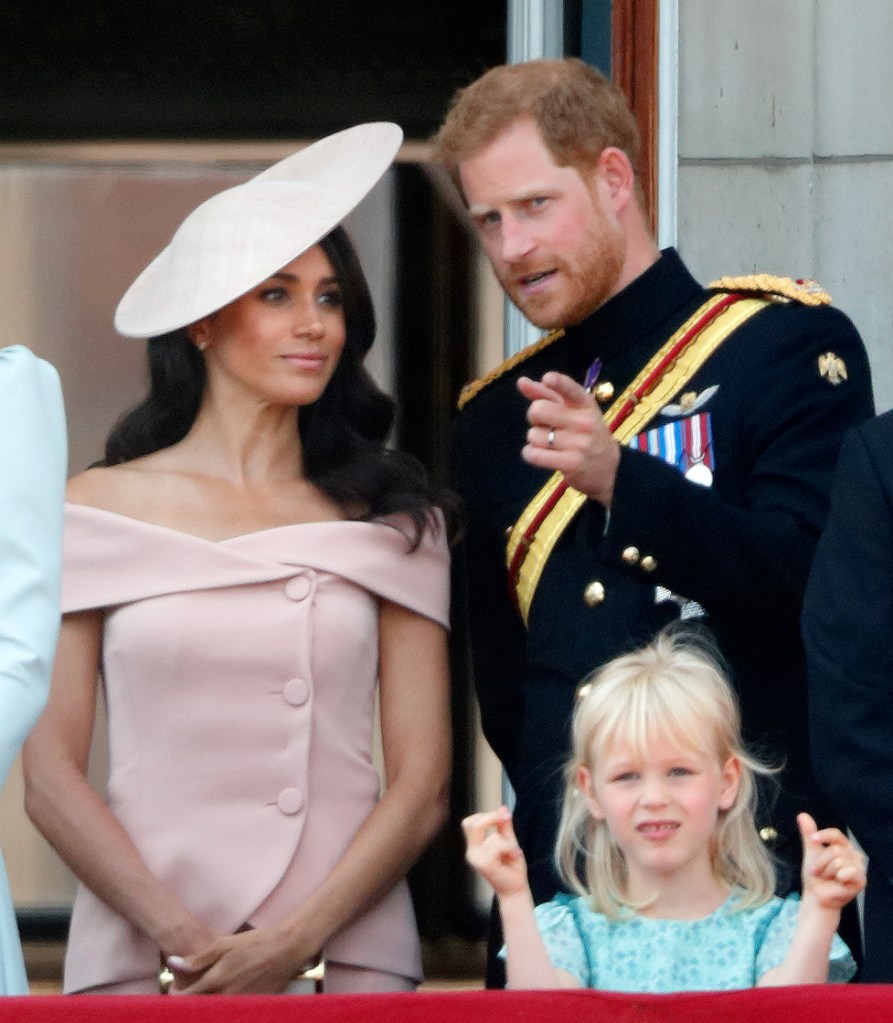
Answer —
587 790
617 176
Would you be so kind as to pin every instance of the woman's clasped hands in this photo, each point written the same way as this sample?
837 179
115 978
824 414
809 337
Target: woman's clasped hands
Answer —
263 960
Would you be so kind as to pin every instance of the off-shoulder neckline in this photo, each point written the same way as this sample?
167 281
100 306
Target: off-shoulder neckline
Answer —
130 519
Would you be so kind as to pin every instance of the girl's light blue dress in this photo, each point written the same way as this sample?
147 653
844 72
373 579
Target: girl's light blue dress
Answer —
726 950
32 487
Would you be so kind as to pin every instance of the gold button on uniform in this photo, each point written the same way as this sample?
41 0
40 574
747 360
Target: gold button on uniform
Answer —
594 594
630 555
604 391
768 834
648 563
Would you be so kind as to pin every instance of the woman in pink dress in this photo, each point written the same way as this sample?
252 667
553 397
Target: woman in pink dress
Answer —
251 572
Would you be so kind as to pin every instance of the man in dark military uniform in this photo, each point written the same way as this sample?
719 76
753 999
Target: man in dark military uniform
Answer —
711 506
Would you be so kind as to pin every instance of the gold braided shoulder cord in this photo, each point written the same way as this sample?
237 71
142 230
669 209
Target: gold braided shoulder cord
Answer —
473 388
806 292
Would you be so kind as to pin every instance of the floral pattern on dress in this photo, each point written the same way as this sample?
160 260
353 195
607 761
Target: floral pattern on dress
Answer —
729 949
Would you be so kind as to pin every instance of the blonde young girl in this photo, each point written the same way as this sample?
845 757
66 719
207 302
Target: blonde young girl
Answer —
676 890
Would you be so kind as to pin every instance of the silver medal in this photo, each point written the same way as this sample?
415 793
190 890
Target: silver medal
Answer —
699 473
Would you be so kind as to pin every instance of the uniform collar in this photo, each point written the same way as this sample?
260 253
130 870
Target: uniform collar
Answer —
655 296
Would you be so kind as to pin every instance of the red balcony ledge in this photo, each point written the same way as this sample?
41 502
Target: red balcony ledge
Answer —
817 1004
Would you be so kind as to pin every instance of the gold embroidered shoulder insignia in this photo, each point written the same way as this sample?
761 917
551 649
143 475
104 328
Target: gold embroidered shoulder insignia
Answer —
476 386
804 291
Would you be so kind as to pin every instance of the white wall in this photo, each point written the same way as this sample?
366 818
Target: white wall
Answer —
786 150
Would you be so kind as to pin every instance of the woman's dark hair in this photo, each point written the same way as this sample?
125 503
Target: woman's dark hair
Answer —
343 432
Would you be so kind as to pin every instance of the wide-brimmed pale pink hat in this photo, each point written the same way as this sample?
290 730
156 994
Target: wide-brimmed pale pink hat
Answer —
240 237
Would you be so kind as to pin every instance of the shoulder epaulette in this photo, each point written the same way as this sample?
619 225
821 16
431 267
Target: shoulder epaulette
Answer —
804 291
476 386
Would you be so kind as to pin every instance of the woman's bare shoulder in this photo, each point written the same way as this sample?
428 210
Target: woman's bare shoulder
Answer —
124 488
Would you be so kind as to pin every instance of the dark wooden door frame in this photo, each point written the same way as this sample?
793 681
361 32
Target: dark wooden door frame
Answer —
634 45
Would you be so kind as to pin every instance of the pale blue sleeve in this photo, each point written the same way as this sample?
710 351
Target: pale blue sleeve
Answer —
33 456
564 942
561 936
776 941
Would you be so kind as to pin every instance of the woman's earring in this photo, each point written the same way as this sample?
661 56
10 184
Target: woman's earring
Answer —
202 345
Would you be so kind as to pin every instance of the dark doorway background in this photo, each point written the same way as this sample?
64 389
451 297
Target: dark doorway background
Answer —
229 69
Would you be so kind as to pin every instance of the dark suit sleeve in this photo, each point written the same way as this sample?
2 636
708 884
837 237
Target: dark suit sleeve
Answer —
848 633
744 547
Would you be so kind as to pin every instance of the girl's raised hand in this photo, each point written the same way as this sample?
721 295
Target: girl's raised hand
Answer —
492 849
833 868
